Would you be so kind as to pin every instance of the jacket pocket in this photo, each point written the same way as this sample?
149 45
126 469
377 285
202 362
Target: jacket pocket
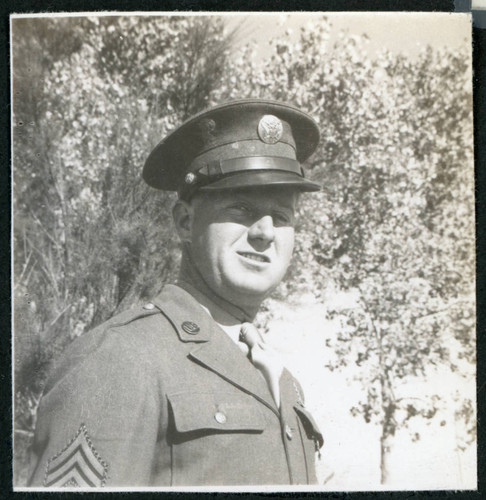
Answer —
220 412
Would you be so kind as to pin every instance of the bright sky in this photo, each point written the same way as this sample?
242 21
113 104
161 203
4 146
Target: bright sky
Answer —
405 32
399 32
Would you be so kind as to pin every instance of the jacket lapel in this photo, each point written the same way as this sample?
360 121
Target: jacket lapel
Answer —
213 348
289 391
222 356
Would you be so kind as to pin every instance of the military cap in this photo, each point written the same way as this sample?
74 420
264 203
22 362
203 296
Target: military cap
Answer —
242 143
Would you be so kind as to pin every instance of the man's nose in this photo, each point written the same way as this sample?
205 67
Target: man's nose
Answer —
262 230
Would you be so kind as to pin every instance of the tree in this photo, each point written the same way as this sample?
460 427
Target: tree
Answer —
90 237
394 224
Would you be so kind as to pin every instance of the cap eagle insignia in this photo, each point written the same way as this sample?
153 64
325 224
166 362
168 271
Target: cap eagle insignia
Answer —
270 129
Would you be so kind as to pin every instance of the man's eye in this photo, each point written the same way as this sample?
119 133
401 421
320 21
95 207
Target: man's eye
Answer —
282 219
244 209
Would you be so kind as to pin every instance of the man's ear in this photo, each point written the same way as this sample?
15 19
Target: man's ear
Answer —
182 214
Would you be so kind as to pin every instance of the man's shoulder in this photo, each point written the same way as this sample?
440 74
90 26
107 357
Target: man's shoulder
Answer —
136 326
139 338
138 335
127 329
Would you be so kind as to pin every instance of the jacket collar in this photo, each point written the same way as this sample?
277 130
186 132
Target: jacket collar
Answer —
188 318
215 350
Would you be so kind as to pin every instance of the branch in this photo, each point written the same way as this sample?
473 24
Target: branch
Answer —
53 241
440 311
409 397
23 270
50 275
24 433
384 377
58 316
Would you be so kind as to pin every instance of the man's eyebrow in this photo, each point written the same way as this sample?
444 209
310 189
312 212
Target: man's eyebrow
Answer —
286 204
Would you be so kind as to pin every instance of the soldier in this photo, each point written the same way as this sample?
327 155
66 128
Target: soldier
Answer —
184 391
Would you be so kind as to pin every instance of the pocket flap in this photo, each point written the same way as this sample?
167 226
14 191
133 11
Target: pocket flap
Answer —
310 426
220 411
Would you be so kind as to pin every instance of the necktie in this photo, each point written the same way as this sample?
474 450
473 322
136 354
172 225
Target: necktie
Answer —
263 358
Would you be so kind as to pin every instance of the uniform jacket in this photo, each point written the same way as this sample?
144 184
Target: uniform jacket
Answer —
161 396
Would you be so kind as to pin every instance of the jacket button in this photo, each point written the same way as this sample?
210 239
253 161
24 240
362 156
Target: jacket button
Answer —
189 178
149 306
288 432
220 417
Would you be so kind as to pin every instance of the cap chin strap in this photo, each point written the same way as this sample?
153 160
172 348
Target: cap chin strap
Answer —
222 167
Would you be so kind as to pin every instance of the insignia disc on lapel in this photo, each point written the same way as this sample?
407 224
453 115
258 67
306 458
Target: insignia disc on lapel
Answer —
190 327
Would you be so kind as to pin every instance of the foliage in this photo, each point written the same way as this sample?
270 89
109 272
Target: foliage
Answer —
393 226
90 237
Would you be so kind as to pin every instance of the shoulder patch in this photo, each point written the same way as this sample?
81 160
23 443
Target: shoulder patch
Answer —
78 465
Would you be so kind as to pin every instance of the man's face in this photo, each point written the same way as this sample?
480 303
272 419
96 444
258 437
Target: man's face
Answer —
242 240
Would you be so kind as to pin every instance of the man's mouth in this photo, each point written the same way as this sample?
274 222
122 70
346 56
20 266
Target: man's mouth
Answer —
254 256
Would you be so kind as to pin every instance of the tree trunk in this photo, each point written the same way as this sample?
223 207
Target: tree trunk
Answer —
388 426
385 448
